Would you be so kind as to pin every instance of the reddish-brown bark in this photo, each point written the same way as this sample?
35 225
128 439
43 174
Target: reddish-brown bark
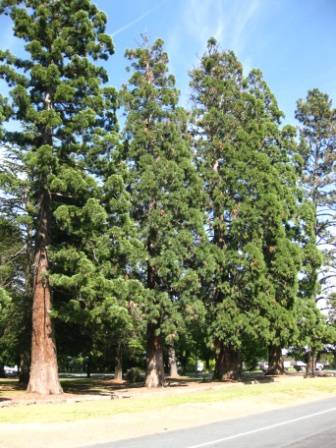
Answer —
118 370
311 364
227 366
275 361
155 366
173 371
43 368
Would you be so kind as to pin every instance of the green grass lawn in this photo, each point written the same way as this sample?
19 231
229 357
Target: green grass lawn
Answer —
277 392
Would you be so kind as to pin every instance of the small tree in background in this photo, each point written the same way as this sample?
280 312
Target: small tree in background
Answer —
317 119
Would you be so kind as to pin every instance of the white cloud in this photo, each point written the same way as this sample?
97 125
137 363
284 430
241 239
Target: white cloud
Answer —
196 21
202 19
225 20
137 19
241 22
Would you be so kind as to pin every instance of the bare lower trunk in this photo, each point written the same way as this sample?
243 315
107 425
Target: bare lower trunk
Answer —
311 364
227 366
88 367
155 369
25 355
24 368
155 365
43 368
275 361
2 371
173 373
183 360
118 371
207 364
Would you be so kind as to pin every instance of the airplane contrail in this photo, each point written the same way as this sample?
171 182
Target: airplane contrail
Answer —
138 19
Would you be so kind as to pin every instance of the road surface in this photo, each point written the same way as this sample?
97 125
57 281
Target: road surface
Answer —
312 425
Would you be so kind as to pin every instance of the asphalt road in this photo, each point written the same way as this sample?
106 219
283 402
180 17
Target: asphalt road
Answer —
312 425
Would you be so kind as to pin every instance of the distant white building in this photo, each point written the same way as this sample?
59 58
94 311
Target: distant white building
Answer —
11 371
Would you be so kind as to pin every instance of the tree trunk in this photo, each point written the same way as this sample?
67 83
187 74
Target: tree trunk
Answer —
207 363
155 369
311 364
88 366
25 355
118 370
184 361
173 373
2 371
275 361
155 365
24 368
227 366
43 369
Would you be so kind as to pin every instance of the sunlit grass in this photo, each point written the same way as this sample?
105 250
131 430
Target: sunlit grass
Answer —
275 392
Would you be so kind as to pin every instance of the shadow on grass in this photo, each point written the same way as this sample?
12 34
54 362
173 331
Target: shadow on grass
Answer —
11 384
107 386
84 387
184 381
256 378
93 386
8 385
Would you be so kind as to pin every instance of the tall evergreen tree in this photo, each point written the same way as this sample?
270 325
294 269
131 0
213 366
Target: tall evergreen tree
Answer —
280 206
237 134
317 118
165 194
59 105
218 110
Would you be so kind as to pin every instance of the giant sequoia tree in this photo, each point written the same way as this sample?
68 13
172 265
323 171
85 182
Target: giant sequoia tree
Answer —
224 150
59 106
165 193
250 199
279 204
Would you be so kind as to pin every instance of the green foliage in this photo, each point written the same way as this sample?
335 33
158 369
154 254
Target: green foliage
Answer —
317 118
65 115
317 145
203 225
165 191
251 264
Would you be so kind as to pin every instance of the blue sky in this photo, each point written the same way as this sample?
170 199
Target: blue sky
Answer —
293 42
